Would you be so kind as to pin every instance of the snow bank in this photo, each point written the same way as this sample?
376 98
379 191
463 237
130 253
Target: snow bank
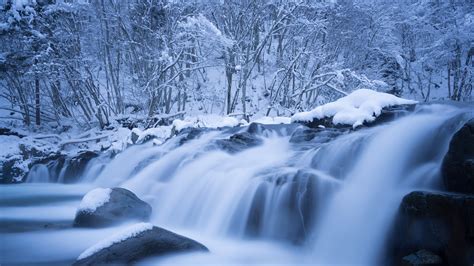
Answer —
129 232
159 134
9 146
267 120
208 121
354 109
94 199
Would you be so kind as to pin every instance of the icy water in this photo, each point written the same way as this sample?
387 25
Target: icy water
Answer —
280 202
36 229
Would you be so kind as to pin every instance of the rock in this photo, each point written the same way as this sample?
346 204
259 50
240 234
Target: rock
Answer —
320 135
8 132
11 171
239 142
422 257
387 114
440 222
64 168
30 151
191 134
392 113
75 167
134 137
255 128
458 164
122 205
144 242
271 129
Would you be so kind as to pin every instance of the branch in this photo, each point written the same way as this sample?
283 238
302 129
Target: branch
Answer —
74 141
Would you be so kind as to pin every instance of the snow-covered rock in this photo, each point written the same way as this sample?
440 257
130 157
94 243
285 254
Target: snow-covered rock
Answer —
360 106
94 199
129 232
22 148
137 242
104 206
158 134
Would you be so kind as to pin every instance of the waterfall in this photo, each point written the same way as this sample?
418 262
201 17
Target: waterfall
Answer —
333 196
39 173
355 223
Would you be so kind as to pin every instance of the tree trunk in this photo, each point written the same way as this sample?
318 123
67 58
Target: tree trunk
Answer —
37 103
229 71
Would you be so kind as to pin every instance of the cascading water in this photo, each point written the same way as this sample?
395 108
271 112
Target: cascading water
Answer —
332 198
358 217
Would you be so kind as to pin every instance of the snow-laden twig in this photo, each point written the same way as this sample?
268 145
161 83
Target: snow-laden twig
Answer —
74 141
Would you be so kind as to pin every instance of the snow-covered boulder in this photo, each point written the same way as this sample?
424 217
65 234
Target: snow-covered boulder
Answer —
106 206
359 107
137 242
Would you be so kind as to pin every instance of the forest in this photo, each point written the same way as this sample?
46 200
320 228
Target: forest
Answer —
88 62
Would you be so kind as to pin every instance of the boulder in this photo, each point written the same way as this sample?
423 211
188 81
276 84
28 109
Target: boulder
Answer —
458 164
104 207
239 142
136 243
440 222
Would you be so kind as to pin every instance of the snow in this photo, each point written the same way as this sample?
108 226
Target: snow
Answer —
94 199
360 106
267 120
19 4
159 134
129 232
208 121
9 146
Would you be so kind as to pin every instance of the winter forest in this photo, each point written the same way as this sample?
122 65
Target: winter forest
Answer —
235 132
89 62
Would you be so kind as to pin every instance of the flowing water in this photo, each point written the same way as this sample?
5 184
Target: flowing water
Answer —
329 200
